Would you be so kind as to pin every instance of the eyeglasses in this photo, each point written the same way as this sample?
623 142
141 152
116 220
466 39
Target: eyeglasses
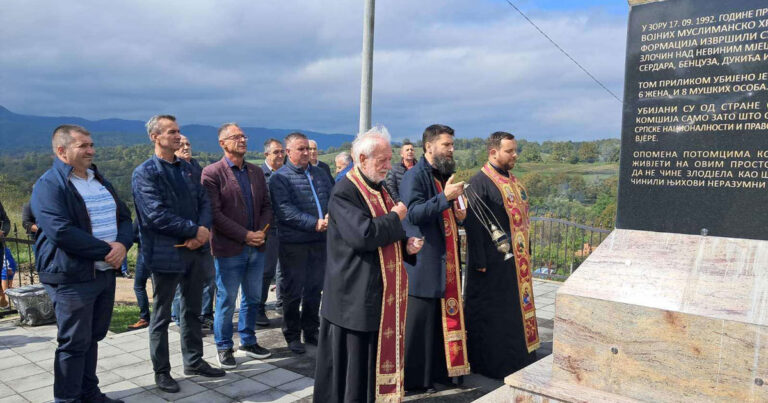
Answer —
236 138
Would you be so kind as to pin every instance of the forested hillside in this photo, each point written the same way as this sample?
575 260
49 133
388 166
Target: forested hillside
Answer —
568 179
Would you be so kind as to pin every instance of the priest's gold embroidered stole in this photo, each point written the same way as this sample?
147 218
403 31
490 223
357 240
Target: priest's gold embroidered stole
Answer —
516 204
454 332
390 355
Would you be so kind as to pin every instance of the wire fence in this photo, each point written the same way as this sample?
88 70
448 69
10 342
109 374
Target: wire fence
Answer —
22 249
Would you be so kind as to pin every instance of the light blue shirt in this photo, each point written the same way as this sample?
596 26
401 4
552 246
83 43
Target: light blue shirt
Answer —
314 194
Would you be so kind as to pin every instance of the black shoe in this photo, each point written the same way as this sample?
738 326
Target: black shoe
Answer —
261 318
165 383
227 359
206 323
310 340
205 369
255 350
101 398
297 347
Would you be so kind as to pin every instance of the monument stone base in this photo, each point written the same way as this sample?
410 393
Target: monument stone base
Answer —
658 317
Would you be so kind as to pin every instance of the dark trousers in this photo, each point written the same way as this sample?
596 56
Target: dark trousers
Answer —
302 268
140 288
271 264
424 349
191 284
83 313
346 365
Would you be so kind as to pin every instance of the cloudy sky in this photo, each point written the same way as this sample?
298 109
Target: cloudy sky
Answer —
475 65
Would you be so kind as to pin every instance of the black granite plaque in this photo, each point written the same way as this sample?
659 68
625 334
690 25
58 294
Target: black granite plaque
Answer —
694 149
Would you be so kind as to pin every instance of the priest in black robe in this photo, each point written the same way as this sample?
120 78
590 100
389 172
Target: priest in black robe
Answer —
496 335
353 292
434 287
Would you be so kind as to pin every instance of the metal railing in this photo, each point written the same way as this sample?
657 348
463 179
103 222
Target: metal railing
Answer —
22 249
558 246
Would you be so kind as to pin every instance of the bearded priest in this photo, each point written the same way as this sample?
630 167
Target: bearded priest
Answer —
360 355
502 331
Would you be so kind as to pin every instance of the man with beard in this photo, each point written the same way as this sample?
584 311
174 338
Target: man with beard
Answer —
360 352
395 175
501 317
435 322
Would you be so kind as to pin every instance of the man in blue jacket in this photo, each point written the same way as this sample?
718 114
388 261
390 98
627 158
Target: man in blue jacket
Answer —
174 216
434 323
84 233
300 193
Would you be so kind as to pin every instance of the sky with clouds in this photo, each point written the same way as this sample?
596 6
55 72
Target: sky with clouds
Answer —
475 65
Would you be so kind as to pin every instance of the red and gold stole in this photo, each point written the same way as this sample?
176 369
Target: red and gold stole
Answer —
516 203
454 332
390 356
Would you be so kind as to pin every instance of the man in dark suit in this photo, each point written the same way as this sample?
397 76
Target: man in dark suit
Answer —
434 324
317 163
241 213
274 158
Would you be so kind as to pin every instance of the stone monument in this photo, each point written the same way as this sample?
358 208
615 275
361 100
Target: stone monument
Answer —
673 305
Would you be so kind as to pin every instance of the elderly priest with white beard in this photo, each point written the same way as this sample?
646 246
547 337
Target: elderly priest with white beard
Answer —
360 351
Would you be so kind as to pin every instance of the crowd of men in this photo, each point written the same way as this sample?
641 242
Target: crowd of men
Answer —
378 245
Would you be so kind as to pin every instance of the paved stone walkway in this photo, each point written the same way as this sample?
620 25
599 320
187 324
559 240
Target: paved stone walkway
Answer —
125 371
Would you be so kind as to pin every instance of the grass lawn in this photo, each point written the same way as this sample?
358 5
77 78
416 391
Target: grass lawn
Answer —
122 316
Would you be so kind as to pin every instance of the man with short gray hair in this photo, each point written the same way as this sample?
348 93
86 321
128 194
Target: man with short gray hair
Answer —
344 164
84 231
274 158
174 216
241 214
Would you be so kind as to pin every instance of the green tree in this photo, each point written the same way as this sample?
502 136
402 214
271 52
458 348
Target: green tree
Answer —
588 152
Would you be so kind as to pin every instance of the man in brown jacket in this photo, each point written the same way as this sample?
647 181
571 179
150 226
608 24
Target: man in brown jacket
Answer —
241 211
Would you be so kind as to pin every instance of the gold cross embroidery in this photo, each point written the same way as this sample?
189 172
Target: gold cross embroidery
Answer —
455 349
390 299
391 266
387 366
389 332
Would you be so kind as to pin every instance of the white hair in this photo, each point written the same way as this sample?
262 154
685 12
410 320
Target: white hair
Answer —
343 157
366 142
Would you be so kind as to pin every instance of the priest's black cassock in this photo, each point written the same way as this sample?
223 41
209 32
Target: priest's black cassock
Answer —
495 335
352 293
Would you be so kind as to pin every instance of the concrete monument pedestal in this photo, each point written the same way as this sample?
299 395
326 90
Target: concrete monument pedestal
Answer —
659 317
658 312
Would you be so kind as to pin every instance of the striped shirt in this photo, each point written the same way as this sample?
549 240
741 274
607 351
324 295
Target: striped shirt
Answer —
102 210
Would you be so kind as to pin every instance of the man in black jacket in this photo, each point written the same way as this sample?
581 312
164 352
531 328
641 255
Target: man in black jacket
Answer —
395 175
434 325
361 330
274 157
85 231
